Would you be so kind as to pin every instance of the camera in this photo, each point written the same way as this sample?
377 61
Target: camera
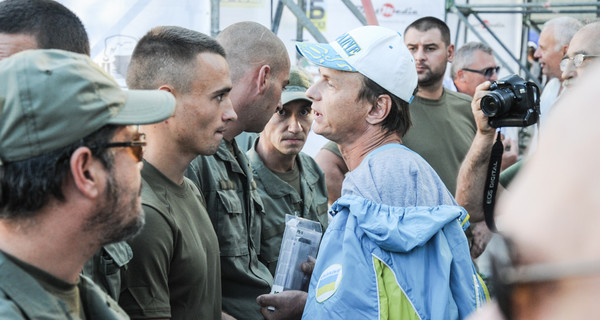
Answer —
512 102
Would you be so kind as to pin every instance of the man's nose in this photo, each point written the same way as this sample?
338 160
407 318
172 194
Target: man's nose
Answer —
570 71
294 125
419 54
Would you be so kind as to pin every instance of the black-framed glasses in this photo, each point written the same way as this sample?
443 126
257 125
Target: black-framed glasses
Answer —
577 59
487 72
136 145
507 276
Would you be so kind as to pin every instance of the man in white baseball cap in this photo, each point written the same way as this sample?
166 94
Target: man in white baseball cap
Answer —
397 234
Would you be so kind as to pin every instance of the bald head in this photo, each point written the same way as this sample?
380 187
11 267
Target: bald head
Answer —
259 67
585 42
250 44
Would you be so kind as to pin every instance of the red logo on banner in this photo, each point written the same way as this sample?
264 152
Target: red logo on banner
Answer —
387 10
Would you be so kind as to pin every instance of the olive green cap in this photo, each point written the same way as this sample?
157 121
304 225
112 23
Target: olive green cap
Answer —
300 81
50 99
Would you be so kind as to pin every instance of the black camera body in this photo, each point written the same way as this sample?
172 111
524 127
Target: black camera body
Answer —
512 102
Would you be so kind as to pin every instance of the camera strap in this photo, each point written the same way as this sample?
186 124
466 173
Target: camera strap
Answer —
491 183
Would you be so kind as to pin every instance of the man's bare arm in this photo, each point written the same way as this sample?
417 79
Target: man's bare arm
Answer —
334 168
470 183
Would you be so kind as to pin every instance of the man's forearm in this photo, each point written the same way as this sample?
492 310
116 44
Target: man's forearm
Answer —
470 183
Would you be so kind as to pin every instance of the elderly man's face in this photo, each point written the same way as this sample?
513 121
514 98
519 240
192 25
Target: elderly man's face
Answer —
549 53
338 115
467 81
13 43
584 43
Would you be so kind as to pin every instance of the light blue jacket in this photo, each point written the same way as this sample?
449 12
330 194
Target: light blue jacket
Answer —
382 262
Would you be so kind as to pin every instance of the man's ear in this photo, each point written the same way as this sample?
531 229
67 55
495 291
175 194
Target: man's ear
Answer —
380 110
175 94
564 50
264 77
450 53
87 173
460 75
167 88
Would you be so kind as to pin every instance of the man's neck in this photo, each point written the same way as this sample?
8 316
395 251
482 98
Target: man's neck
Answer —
354 153
273 159
167 158
432 92
51 242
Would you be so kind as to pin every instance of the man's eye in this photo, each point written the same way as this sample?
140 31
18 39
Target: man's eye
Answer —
280 112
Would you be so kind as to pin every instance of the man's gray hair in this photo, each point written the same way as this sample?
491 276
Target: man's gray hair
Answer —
465 55
564 29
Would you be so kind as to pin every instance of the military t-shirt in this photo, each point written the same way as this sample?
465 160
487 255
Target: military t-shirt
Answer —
67 292
442 132
175 271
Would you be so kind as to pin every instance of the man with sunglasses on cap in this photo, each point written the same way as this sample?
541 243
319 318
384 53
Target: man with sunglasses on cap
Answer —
175 272
395 247
70 161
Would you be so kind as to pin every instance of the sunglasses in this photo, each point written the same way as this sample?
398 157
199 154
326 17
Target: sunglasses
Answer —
487 72
577 59
508 278
136 146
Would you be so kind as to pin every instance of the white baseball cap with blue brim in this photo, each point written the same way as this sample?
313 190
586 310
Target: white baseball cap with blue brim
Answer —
376 52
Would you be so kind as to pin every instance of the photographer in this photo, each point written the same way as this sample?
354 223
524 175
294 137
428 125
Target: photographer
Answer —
471 181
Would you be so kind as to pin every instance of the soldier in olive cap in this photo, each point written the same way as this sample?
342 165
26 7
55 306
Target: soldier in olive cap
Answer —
289 181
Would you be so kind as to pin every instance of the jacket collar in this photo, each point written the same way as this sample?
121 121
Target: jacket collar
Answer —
27 293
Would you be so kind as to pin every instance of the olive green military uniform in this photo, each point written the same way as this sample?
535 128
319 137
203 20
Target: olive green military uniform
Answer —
235 209
175 271
245 140
279 199
23 297
508 174
106 266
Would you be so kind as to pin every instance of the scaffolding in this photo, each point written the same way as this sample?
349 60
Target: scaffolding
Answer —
533 15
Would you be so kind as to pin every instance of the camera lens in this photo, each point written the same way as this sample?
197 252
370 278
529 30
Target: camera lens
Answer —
494 104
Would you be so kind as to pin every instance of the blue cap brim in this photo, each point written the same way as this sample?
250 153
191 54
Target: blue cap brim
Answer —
323 54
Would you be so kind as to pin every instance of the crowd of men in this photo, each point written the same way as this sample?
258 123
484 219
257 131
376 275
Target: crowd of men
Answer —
169 200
